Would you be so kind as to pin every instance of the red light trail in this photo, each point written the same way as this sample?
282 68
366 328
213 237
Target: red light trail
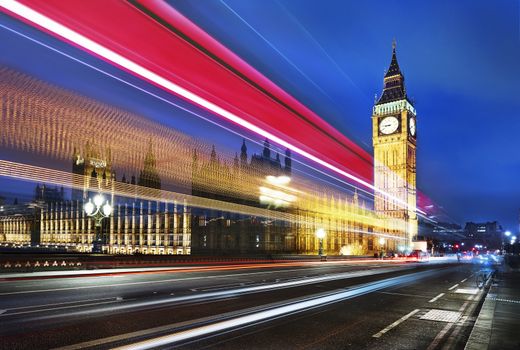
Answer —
156 43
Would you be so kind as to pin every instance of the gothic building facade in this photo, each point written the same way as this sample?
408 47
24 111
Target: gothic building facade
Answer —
349 224
135 226
227 233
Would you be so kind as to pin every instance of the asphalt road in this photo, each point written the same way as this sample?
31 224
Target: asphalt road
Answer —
327 305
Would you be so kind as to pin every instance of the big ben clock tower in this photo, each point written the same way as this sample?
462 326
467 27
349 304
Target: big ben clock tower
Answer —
394 136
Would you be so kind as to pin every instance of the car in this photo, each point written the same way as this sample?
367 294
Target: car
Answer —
419 255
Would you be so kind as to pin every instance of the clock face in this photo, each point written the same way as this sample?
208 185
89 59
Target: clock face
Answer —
388 125
412 126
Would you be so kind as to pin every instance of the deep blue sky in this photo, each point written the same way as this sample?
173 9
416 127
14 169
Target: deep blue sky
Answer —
460 59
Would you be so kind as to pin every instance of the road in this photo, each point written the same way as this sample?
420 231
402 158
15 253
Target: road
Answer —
298 305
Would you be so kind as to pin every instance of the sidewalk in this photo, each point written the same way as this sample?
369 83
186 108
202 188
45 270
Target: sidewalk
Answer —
498 323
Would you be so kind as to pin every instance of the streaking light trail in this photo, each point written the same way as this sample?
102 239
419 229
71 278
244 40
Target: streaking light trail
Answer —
262 316
56 28
55 177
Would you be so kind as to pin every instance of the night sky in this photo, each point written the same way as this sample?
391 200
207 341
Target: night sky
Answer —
461 61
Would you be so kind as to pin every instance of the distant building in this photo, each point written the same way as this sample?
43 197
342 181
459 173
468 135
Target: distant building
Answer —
44 193
448 231
488 234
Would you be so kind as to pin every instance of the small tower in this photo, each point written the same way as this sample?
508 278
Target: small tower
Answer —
267 149
243 154
78 169
149 176
288 162
235 162
213 156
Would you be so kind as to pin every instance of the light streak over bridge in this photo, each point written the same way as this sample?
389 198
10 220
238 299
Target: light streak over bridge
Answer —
195 67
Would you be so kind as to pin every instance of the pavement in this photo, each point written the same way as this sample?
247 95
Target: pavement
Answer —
498 322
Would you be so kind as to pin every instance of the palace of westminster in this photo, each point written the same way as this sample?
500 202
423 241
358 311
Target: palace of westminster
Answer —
139 226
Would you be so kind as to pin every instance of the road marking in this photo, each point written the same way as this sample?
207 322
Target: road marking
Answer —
445 330
404 294
2 311
453 287
436 298
467 290
464 280
395 324
441 316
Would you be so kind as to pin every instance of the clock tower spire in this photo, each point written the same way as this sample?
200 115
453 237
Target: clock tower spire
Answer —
394 138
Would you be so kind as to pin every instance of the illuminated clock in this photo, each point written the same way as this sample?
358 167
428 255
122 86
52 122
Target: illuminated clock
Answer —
412 126
388 125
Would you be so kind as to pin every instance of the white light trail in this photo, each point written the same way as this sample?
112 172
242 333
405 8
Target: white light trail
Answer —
111 56
280 311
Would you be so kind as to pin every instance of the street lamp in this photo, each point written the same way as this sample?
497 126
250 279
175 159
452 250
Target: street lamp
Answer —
98 210
382 243
507 234
320 233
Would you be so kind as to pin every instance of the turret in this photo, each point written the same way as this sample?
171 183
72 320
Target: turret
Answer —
243 153
267 149
288 162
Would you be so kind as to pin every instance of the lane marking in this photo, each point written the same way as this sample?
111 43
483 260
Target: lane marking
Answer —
466 290
436 298
404 294
464 280
453 287
395 324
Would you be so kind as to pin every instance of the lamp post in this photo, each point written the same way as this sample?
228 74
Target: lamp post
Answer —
320 233
99 209
382 244
507 234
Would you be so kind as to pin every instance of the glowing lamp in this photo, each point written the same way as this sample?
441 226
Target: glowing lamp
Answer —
98 200
89 208
107 209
